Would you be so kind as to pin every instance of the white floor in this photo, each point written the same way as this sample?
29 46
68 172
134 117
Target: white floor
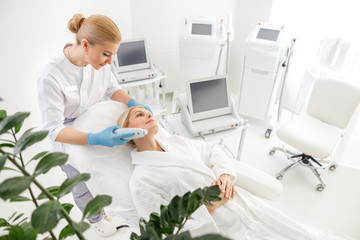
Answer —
336 208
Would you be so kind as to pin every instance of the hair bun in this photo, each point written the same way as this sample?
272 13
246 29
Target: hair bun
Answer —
75 22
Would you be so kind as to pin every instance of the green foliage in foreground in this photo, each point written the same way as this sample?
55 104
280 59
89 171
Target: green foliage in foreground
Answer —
48 210
172 218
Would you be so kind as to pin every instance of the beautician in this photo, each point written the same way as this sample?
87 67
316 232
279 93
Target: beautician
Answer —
74 80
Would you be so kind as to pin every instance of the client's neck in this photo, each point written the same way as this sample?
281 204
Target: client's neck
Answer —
147 143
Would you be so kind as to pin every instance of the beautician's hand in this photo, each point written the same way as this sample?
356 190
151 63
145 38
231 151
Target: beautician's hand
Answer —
107 137
133 102
226 186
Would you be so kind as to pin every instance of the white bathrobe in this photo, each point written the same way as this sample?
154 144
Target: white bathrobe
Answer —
187 165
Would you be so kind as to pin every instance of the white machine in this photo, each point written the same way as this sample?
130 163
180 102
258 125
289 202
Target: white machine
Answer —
132 61
264 54
137 132
199 41
207 106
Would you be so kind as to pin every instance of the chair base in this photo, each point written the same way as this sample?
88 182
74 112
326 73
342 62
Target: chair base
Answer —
304 160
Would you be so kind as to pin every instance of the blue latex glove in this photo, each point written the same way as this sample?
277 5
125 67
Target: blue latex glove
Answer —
133 102
107 137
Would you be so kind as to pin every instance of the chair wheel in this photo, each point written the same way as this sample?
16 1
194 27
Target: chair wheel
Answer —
279 176
272 152
268 133
332 167
320 187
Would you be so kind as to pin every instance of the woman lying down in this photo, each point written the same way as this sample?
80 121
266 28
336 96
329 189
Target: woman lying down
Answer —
165 167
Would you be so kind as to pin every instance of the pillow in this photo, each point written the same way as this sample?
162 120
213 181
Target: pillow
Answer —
110 168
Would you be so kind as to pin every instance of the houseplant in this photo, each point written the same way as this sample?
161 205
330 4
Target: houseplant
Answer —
48 209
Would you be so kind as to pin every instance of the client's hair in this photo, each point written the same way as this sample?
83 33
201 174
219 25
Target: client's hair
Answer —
124 120
124 117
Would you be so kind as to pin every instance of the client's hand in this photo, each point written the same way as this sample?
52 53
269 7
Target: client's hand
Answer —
107 137
226 186
133 102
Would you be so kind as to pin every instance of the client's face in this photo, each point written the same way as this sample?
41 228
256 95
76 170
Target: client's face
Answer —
142 118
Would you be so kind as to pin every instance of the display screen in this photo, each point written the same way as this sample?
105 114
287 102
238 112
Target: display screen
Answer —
268 34
209 95
130 53
201 29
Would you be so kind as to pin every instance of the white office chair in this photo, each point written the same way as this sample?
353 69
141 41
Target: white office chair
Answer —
316 134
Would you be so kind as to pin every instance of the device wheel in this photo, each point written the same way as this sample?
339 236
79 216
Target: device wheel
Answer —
320 187
332 167
271 152
268 133
279 176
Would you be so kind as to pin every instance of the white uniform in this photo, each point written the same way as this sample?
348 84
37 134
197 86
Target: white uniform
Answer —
187 165
65 91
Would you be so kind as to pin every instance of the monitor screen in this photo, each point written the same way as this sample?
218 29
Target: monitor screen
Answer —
131 53
201 29
268 34
209 95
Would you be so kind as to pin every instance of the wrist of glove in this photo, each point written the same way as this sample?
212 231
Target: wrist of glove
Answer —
107 137
133 102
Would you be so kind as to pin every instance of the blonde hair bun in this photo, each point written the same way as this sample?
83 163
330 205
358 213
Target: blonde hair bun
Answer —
76 22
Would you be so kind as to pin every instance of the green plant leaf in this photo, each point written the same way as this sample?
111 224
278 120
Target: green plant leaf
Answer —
9 122
9 145
11 169
69 183
54 191
19 199
46 216
66 232
96 205
14 186
28 139
194 202
150 234
17 217
133 236
12 215
3 222
5 237
2 114
18 127
39 155
67 207
211 236
3 160
81 226
182 236
211 194
50 160
176 210
22 232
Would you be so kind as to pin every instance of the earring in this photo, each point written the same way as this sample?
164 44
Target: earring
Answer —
85 53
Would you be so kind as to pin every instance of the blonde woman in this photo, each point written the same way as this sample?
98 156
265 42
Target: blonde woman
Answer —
72 81
173 165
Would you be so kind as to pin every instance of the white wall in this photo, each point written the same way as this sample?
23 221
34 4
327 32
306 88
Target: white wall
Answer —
31 32
160 26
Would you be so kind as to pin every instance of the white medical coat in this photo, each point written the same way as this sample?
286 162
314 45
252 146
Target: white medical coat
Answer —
187 165
65 91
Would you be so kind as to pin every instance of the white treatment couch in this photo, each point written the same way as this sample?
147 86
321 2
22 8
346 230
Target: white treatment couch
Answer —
111 168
